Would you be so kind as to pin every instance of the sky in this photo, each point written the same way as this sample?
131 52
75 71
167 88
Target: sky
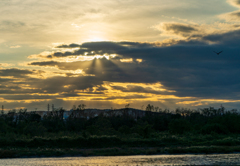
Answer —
110 53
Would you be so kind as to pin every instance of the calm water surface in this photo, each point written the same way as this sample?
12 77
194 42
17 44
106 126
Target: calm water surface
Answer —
218 159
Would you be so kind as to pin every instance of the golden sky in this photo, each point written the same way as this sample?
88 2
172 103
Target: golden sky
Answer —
113 52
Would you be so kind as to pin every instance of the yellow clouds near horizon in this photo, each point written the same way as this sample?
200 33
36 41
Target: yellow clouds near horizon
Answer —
202 102
121 93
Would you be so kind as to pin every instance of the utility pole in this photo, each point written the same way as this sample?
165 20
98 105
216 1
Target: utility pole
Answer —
2 108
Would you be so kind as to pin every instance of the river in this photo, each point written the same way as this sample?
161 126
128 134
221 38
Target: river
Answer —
213 159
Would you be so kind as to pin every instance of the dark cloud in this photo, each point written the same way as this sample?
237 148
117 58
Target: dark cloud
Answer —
56 84
96 48
139 89
2 80
28 97
105 45
15 72
189 67
64 65
231 17
45 63
199 35
236 14
229 39
236 2
73 45
179 28
122 97
66 54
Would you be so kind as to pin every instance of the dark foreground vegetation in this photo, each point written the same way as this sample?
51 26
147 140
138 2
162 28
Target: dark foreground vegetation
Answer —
207 130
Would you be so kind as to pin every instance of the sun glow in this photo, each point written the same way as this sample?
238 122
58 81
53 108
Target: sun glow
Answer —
96 39
102 56
96 36
130 60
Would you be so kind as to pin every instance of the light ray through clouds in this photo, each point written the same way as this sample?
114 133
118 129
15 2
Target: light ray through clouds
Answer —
112 53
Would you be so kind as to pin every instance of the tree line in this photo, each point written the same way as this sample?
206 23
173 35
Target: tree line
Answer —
203 121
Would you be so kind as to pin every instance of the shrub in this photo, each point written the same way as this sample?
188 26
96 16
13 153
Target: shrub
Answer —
214 128
124 129
4 128
179 126
34 129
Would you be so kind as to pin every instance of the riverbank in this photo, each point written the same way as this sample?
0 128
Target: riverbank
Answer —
116 151
162 143
156 133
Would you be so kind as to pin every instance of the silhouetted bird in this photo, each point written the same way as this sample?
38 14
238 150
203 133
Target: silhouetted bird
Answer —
218 52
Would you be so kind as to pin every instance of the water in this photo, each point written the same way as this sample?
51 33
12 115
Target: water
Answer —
216 159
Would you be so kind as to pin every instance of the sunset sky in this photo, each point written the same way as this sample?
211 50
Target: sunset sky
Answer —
110 53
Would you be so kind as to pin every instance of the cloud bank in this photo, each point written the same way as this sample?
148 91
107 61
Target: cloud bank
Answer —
187 73
180 71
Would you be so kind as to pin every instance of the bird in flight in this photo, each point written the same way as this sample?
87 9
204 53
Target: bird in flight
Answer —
218 52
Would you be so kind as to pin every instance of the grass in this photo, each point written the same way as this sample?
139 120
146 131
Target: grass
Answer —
162 143
62 152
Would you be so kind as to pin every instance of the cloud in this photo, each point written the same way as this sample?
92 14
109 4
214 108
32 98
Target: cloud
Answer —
230 38
125 22
6 65
235 3
15 72
189 34
73 45
177 72
187 68
155 88
91 49
231 17
179 29
17 46
182 70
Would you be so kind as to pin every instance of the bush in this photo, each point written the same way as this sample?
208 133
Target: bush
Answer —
4 128
142 128
179 126
214 128
124 129
34 129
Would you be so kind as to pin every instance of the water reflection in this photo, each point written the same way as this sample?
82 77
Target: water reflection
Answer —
218 159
